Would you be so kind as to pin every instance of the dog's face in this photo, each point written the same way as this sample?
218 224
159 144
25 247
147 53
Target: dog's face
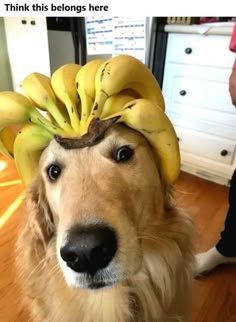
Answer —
102 198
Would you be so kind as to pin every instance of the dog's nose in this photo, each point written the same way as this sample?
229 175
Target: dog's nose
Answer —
89 248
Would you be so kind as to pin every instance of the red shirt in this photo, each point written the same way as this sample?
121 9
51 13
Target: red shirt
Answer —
232 45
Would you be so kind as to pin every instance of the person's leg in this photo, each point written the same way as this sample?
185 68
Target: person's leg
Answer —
227 244
225 250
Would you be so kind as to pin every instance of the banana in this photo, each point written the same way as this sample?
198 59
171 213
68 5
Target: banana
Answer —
151 121
15 108
120 73
63 84
38 88
28 146
115 104
121 88
85 83
63 111
7 138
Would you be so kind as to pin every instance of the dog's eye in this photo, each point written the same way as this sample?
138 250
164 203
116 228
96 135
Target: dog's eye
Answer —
123 154
53 172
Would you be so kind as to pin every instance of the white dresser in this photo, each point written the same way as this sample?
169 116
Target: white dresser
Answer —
195 87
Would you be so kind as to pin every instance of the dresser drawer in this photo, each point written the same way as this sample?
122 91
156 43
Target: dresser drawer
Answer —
205 87
200 50
202 93
214 123
206 146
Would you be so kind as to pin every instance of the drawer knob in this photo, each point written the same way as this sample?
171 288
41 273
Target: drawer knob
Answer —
224 153
182 92
188 50
23 21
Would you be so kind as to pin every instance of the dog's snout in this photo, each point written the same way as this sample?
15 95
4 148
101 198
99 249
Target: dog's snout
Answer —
89 248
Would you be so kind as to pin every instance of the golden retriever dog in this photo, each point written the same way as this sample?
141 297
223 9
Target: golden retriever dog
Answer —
102 240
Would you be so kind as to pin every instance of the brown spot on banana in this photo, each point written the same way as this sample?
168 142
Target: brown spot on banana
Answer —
130 106
147 131
104 93
95 106
161 131
103 71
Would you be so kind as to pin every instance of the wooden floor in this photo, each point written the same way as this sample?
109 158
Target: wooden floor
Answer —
214 298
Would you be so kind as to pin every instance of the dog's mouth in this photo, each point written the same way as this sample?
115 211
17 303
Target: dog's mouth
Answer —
95 285
106 277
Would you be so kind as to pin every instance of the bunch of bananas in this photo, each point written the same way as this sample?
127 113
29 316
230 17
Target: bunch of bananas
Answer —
121 88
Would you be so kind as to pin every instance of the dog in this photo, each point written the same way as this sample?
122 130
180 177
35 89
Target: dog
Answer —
102 239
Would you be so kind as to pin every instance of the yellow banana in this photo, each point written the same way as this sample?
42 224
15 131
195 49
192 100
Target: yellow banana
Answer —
151 121
63 84
85 83
121 87
63 111
124 72
28 146
38 88
4 150
115 104
7 138
18 109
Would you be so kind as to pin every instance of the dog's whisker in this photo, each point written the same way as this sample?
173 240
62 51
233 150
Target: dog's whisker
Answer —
55 271
40 265
149 238
145 235
36 269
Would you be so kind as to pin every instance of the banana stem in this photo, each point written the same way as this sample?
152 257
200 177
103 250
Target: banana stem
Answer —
86 107
37 118
57 115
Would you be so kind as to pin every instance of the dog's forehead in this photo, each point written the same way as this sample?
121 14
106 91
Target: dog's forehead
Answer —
116 135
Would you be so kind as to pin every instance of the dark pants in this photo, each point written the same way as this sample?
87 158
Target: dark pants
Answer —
227 244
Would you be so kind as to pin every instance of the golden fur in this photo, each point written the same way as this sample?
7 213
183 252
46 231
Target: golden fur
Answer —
154 257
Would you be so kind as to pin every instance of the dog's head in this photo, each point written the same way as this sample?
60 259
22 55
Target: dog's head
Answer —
102 198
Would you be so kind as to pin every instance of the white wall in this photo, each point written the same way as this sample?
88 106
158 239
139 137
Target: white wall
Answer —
27 45
5 71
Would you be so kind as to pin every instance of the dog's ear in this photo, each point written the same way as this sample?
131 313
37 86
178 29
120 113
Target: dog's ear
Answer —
167 189
40 217
169 200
